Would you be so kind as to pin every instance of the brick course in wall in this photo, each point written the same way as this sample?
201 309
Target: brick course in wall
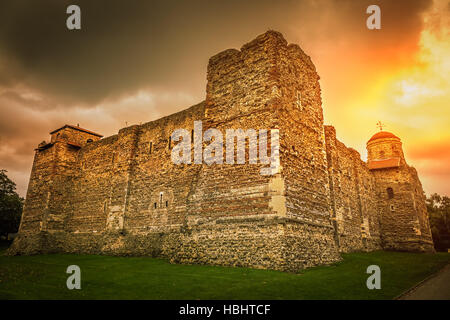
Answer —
122 195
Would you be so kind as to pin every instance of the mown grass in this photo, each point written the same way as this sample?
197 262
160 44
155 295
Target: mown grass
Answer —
106 277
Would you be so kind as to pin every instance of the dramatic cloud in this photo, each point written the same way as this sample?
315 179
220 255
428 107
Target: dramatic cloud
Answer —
124 45
135 61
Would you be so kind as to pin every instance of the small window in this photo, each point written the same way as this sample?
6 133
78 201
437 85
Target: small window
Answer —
89 140
382 155
192 136
170 142
167 204
392 207
390 193
150 146
155 205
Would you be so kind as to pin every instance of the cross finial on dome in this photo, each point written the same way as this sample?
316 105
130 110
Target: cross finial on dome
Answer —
380 125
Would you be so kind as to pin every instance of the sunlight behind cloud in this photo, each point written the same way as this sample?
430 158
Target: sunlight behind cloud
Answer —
412 98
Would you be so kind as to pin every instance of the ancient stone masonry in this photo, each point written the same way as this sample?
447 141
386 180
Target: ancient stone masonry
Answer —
403 214
122 195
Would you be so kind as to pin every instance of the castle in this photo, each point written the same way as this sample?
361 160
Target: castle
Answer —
121 195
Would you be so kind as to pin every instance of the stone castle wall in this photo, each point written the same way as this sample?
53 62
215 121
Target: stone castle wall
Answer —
123 195
354 207
404 218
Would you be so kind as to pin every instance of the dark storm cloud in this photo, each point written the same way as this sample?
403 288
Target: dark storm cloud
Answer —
125 45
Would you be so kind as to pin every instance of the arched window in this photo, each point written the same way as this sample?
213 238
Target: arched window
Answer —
390 193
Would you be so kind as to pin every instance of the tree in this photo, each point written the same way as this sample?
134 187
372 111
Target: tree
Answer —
439 214
11 205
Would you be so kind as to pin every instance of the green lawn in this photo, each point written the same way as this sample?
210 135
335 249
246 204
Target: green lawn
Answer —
105 277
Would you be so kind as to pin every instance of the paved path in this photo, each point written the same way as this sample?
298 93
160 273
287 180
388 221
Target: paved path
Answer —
435 288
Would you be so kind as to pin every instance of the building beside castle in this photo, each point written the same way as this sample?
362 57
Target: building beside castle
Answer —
122 195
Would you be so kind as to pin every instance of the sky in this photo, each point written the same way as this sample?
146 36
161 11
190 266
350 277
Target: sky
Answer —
136 61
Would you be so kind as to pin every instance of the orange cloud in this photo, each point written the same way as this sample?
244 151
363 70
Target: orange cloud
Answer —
438 151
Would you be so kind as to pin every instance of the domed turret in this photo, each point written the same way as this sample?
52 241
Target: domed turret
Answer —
383 135
403 214
384 150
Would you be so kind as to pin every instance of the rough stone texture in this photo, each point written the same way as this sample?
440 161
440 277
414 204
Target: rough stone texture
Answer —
353 202
403 214
122 195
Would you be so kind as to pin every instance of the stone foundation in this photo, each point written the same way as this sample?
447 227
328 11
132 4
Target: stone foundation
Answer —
262 243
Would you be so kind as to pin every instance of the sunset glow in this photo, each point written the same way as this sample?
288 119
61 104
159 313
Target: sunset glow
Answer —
412 99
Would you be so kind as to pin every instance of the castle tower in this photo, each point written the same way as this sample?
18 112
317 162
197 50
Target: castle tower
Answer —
403 215
54 165
270 84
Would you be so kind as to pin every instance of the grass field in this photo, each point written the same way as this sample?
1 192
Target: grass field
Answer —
105 277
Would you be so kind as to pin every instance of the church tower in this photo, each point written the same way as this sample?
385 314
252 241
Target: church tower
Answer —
404 221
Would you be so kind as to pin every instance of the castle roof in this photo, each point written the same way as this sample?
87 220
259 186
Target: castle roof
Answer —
77 128
383 135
